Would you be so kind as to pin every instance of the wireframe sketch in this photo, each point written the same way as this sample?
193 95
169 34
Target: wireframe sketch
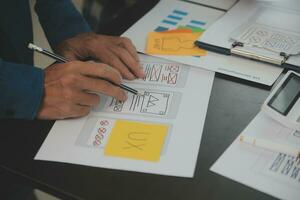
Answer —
151 103
269 38
97 130
101 132
161 73
164 74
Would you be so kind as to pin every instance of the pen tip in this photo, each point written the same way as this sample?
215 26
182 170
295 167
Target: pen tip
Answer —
139 94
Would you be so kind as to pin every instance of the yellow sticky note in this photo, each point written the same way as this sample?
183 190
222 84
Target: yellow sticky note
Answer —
136 140
174 44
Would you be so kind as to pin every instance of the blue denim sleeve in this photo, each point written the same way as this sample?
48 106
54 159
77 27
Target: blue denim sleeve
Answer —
21 89
60 20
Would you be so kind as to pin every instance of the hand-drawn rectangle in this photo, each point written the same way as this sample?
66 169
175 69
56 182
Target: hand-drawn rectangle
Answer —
136 140
164 74
152 103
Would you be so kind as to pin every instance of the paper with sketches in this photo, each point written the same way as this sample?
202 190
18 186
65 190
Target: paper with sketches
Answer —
172 14
268 31
142 134
274 173
266 25
268 38
173 44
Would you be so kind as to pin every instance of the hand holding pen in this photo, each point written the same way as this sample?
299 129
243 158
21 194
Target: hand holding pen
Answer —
69 87
64 60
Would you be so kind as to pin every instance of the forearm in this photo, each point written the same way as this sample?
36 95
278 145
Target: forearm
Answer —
60 20
21 89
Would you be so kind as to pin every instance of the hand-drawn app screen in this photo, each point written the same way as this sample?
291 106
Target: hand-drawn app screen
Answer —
125 138
275 36
163 74
151 103
155 103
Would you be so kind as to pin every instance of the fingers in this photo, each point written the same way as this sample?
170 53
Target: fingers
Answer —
130 62
114 61
127 44
104 87
70 55
70 111
61 104
82 97
79 111
68 86
93 77
101 71
120 53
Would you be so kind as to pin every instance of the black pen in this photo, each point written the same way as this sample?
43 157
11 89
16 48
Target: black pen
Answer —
62 59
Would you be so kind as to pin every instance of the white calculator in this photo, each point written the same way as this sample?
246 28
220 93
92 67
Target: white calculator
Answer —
283 103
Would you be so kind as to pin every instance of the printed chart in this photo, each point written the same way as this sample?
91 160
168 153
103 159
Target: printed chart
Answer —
282 167
179 18
286 168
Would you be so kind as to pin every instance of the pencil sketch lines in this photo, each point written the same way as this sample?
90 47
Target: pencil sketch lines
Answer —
161 73
264 36
175 44
151 103
136 140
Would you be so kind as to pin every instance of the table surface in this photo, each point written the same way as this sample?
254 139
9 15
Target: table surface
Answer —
233 103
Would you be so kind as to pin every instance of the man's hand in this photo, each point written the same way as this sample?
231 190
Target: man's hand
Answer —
69 88
118 52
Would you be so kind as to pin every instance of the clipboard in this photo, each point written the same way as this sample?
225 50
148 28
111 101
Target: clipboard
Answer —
256 36
247 54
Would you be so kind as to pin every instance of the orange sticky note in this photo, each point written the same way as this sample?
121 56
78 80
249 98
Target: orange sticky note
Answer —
174 44
136 140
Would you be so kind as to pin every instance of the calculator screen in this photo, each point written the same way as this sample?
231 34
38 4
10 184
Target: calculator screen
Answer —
287 95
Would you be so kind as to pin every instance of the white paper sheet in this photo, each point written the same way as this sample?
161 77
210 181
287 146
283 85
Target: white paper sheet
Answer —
180 96
221 4
257 23
230 65
276 174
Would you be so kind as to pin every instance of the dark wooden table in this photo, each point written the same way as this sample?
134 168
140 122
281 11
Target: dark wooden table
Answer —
233 103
